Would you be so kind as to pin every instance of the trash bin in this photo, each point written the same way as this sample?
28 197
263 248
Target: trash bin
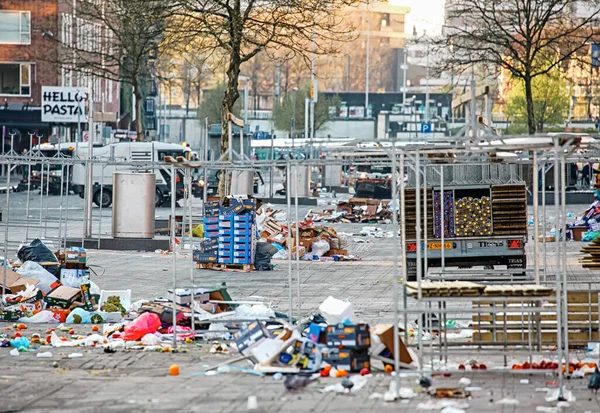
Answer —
133 205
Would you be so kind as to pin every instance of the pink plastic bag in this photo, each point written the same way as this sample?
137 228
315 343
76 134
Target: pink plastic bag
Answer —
182 332
147 323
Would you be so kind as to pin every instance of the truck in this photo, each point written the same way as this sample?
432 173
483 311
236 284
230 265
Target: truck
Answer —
484 225
52 173
128 152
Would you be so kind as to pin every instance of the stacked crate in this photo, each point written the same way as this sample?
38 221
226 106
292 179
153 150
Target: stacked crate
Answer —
509 209
348 347
236 233
208 249
411 212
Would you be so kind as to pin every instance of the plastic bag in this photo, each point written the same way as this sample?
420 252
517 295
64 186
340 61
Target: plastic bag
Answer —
590 236
79 316
262 257
147 323
34 270
319 248
151 340
197 231
37 251
41 317
20 342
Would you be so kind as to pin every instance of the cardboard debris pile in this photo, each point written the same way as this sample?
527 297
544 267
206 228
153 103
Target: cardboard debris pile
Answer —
354 210
32 287
315 242
332 342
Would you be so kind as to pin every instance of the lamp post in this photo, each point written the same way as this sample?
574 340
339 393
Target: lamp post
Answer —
246 80
294 90
367 68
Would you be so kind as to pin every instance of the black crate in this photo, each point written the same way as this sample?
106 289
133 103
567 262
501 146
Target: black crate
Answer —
349 335
347 359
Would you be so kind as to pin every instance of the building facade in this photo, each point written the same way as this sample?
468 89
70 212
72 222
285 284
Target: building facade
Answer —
32 33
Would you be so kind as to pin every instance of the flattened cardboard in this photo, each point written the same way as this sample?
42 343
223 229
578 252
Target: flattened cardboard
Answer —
15 282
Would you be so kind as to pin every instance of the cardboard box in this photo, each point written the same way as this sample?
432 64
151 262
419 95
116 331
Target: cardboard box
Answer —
251 337
165 311
349 335
37 296
10 315
332 252
15 282
385 335
86 295
317 333
70 276
306 243
63 296
75 257
211 256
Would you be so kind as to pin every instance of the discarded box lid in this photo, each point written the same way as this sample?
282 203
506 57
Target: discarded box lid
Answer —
15 282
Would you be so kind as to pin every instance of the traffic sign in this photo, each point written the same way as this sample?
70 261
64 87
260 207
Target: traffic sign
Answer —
426 128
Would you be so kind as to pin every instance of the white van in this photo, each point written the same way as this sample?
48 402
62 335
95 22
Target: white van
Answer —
127 152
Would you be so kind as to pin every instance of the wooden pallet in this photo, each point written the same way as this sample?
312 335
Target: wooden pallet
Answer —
591 260
447 289
225 267
582 318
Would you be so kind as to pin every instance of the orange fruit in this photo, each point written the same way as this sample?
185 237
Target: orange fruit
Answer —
341 373
22 326
388 368
174 370
95 328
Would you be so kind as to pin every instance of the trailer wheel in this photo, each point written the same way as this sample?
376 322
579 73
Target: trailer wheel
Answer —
158 198
106 198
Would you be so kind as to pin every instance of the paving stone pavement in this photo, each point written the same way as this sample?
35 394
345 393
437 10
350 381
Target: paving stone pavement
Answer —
139 382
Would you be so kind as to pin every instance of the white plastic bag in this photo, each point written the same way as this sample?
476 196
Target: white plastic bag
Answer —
319 248
151 340
34 270
41 317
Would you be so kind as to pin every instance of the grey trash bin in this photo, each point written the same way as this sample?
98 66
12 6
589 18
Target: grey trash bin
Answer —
133 211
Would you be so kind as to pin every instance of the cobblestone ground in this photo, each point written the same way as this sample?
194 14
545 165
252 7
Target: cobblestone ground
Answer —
138 381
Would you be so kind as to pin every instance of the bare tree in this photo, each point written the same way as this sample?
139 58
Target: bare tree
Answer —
118 40
242 29
527 38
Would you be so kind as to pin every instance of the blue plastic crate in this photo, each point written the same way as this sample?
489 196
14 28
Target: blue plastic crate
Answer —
224 239
211 220
224 231
243 232
241 239
211 234
241 246
211 227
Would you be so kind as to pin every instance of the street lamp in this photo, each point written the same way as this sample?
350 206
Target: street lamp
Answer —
294 90
246 80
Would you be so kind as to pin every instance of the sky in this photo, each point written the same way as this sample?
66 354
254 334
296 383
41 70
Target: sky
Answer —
425 15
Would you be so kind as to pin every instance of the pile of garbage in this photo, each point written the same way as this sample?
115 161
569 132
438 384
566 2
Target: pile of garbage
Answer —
315 242
361 210
331 343
49 286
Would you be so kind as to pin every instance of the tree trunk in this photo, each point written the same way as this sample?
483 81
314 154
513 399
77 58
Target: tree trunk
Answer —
529 102
139 124
229 99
